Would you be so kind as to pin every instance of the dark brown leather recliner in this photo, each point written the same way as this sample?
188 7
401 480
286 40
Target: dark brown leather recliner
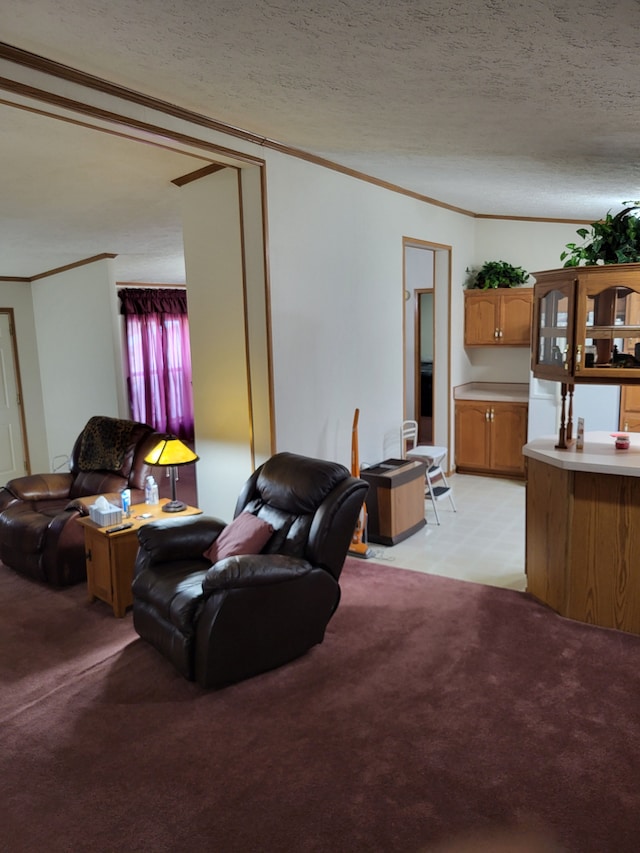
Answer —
248 614
39 536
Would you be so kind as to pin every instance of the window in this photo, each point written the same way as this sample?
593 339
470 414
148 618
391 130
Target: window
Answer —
159 358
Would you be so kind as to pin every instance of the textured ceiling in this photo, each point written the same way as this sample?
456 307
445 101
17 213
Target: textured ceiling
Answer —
501 107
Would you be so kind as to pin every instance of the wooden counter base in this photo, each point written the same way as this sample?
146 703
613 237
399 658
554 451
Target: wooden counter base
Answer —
583 544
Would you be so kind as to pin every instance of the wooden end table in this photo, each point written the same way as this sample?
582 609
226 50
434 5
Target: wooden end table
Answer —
111 556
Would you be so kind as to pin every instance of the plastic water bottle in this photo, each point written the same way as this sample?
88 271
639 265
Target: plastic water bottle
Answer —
151 495
126 502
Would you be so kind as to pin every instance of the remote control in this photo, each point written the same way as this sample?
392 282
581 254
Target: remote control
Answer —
119 527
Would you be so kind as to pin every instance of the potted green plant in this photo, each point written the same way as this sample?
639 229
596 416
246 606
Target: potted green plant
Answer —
496 274
612 240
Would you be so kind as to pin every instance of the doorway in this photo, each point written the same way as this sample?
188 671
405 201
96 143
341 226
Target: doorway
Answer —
424 366
420 339
427 294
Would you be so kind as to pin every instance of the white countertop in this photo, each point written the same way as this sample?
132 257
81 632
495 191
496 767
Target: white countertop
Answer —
599 454
509 392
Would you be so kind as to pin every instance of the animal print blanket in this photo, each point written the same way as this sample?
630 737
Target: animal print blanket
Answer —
104 443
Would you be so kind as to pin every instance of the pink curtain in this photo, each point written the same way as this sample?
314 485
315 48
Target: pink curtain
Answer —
159 358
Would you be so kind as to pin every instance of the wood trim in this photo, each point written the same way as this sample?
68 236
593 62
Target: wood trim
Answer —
245 311
267 316
533 219
20 278
121 284
89 126
89 81
125 121
267 302
16 367
361 176
64 72
72 266
410 242
199 173
451 437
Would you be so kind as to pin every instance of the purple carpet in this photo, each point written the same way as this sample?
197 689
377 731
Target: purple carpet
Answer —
433 708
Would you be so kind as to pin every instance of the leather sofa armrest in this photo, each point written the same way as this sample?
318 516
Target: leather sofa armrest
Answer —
40 487
178 539
253 570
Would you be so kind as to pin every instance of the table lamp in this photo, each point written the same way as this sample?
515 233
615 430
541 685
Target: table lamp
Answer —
169 453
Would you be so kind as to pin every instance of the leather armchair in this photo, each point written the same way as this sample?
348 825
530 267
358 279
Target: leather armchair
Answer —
38 534
250 613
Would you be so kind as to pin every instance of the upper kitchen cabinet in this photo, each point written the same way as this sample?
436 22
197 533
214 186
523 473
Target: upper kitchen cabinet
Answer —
498 317
586 324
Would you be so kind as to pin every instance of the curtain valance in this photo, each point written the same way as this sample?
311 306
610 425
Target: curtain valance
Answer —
152 300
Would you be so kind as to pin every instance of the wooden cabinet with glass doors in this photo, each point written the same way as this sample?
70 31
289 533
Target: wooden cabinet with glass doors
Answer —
586 325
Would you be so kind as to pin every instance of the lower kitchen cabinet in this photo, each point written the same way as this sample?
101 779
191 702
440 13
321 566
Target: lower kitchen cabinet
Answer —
490 437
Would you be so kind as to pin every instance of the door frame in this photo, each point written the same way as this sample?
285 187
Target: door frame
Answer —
16 369
442 423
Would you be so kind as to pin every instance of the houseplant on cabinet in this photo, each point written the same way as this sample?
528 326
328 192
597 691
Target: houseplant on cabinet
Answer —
493 274
613 240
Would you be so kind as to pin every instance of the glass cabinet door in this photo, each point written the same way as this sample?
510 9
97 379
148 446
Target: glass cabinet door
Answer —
608 337
586 324
553 330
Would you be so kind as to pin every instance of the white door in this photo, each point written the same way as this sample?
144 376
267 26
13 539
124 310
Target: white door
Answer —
12 443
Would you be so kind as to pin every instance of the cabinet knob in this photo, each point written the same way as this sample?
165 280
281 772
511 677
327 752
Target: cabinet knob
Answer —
496 333
87 555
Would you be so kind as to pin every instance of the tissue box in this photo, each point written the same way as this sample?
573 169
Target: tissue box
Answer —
105 517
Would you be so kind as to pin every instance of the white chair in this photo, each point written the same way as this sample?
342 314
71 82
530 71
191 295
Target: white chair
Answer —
432 456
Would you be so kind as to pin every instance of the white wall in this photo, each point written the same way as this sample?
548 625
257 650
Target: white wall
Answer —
533 246
214 267
79 360
337 304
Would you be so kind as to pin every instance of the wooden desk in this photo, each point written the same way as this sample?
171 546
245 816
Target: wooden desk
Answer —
111 556
395 500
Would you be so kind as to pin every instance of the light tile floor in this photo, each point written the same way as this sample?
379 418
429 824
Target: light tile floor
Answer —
483 541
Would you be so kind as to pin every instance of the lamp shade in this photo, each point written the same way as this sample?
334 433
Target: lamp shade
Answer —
170 451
